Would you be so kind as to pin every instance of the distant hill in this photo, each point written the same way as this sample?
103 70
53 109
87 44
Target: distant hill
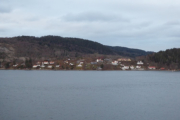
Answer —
123 51
58 47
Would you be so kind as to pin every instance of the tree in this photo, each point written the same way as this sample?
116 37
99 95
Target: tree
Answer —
102 66
7 65
28 63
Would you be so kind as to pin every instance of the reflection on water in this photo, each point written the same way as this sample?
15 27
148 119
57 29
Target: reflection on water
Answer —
89 95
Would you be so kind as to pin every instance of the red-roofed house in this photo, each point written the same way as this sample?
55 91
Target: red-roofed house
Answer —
152 67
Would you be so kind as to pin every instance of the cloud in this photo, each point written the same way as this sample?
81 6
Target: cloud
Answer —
94 17
138 24
5 9
172 23
2 30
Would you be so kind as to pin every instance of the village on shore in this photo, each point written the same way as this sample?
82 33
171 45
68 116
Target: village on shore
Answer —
82 64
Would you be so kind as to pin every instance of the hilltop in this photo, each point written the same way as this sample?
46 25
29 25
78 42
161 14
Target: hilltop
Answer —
56 47
169 58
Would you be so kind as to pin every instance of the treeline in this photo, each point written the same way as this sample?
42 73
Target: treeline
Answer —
57 47
68 44
82 46
123 51
170 57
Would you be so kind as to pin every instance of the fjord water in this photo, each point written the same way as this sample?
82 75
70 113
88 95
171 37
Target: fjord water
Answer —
89 95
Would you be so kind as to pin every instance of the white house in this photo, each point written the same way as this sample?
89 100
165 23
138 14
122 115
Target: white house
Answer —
140 63
45 62
43 66
99 60
57 65
49 66
15 65
132 67
125 67
71 64
114 62
138 67
79 65
35 66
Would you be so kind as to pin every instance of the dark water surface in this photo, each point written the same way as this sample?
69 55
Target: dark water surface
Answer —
89 95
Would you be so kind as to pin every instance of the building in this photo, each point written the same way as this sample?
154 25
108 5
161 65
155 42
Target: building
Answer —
152 67
99 60
35 66
131 67
80 65
57 65
46 62
49 66
138 67
51 62
124 59
71 64
140 63
162 68
125 68
114 62
42 66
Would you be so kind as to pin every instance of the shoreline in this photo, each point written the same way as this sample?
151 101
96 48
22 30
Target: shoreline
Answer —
85 70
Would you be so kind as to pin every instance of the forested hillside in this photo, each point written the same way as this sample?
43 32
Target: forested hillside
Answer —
170 57
58 47
129 51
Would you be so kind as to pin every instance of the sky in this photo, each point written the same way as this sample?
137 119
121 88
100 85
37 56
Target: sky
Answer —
150 25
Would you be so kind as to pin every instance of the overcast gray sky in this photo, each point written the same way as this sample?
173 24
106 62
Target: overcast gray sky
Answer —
151 25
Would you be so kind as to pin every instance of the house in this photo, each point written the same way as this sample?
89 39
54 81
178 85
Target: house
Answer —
131 67
51 62
122 64
124 59
46 62
57 65
140 63
138 67
152 67
125 67
71 64
43 66
162 68
66 62
114 62
15 65
99 60
49 66
35 66
79 65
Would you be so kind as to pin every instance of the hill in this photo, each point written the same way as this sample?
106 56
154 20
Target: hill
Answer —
169 58
123 51
58 47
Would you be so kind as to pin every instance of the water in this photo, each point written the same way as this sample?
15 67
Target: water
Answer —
89 95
